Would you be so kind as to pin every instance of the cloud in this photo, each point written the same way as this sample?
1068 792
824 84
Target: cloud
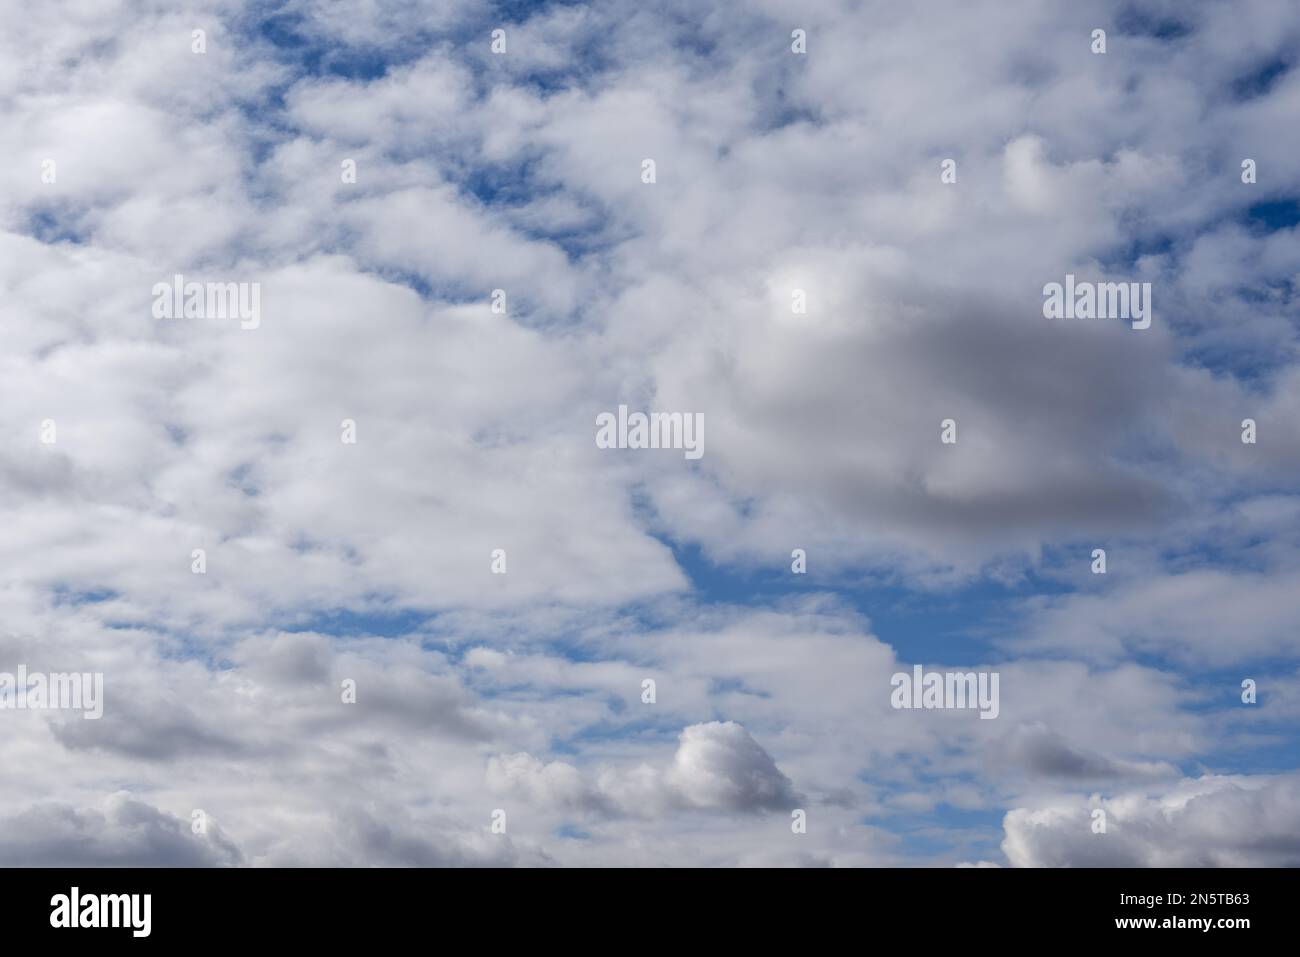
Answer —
1212 821
368 838
717 766
1046 753
556 784
1188 615
123 832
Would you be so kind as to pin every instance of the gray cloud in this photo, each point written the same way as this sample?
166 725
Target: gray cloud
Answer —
1046 753
1213 821
124 832
717 766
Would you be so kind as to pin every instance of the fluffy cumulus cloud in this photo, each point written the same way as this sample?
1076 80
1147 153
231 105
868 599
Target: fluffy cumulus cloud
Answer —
1212 821
717 766
363 588
124 833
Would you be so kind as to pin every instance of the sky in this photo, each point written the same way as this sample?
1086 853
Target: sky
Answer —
362 585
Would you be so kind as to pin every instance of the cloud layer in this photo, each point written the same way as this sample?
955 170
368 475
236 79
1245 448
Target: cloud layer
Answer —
348 682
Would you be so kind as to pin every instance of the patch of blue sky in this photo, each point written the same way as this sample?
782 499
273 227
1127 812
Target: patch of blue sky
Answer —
587 62
1261 79
780 113
293 40
442 290
1139 20
500 184
954 626
186 649
1219 688
519 11
514 190
397 622
421 286
51 225
1202 345
64 595
1249 363
649 729
1123 257
1270 750
1244 555
571 832
1274 215
946 831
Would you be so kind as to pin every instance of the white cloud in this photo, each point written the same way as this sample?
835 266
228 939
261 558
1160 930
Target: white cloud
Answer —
1212 821
717 766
